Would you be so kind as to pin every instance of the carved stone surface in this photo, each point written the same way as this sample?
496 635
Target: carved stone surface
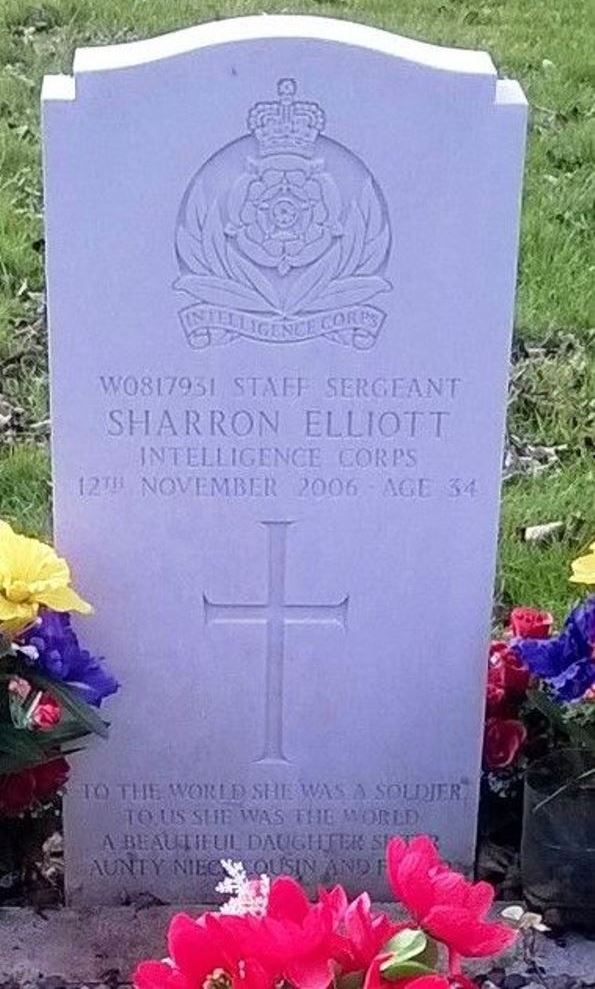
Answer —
281 264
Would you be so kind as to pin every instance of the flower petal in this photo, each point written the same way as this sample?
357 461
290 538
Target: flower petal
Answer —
11 609
464 934
192 949
158 975
287 900
309 973
64 599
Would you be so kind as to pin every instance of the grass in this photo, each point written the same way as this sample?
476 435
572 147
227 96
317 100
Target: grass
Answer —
547 45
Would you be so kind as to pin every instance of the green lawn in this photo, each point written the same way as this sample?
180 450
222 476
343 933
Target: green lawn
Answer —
547 45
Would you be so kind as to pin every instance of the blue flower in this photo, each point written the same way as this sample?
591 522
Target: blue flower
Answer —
60 657
566 661
580 625
574 681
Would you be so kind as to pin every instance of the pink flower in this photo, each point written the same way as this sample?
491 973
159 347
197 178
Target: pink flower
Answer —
204 955
361 932
531 623
297 937
446 905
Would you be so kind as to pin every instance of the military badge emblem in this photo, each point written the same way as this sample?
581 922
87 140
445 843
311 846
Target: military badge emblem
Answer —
283 236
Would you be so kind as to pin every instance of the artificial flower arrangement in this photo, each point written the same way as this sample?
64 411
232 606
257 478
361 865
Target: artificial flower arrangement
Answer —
50 687
541 686
270 936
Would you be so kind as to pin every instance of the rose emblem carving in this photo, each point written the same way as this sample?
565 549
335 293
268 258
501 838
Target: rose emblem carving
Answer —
283 235
284 218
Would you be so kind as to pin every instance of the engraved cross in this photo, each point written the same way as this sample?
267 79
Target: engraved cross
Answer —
275 614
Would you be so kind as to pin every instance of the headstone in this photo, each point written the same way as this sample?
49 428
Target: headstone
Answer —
281 266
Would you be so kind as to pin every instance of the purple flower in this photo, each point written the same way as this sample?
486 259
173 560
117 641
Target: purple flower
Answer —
60 657
566 661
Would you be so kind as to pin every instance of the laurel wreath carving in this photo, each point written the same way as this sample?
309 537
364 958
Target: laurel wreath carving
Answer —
216 272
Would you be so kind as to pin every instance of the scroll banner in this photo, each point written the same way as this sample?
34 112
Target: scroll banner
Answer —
355 326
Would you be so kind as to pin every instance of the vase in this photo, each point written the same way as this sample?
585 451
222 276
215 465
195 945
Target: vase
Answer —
558 843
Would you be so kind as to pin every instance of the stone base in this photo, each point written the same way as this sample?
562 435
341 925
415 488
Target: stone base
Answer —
101 946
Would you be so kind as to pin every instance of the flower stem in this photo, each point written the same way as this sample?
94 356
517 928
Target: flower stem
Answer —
454 962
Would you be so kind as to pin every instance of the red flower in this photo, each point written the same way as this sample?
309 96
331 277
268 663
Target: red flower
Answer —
447 906
204 955
50 777
18 791
506 672
504 738
495 694
47 714
531 623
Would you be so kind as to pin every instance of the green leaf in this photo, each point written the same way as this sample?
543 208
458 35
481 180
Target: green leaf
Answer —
353 980
11 763
83 713
396 970
22 743
545 705
67 732
539 700
5 645
407 944
430 955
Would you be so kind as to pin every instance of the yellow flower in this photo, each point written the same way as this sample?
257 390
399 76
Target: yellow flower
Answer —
583 568
32 574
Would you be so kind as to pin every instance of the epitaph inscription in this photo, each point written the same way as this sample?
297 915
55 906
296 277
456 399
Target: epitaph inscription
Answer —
284 252
285 513
275 614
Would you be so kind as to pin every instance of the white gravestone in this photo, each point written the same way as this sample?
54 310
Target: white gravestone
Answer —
281 267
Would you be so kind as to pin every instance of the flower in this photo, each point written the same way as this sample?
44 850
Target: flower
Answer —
47 713
31 574
565 661
50 777
203 955
60 657
362 931
531 623
298 938
583 568
504 738
31 708
247 896
495 696
524 920
285 216
446 905
573 682
18 791
507 672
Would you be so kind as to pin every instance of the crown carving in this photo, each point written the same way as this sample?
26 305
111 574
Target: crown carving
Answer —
287 125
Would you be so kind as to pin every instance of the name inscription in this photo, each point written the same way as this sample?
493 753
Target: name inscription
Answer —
254 436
